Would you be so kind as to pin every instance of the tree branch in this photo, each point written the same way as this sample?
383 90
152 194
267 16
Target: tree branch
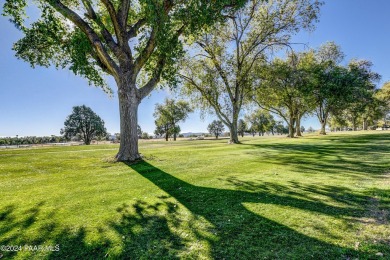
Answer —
151 84
123 12
105 33
208 50
111 10
207 96
102 53
133 31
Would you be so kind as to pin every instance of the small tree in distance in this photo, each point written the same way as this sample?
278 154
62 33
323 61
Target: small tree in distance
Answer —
168 115
84 122
242 127
216 128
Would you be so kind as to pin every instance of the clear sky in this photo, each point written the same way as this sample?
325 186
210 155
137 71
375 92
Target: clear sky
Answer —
37 101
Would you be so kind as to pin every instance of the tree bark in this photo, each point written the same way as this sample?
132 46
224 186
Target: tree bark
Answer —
291 128
298 125
365 127
166 134
323 125
128 109
233 131
233 135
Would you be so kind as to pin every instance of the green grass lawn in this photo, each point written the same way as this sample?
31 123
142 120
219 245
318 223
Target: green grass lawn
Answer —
268 198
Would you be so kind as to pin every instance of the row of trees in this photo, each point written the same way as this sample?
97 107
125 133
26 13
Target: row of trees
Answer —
140 44
224 70
369 115
232 70
136 42
25 140
314 82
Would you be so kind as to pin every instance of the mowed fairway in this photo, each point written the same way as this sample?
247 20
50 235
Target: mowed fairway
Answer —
268 198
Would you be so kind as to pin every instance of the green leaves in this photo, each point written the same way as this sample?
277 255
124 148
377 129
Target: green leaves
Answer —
216 128
84 122
169 114
81 61
43 41
15 9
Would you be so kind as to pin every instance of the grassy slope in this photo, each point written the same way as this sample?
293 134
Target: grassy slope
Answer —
313 197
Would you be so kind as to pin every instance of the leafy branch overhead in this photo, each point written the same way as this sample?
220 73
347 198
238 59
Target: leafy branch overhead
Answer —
111 37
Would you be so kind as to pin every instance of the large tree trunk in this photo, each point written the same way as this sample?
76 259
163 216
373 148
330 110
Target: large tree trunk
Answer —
234 129
323 125
322 115
354 124
298 125
128 109
365 124
291 128
233 134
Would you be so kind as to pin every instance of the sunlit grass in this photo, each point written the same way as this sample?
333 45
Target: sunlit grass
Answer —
270 197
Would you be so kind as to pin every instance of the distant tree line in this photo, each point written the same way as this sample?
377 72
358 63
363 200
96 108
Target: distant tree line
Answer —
26 140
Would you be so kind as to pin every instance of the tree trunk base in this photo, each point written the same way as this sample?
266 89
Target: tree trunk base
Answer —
322 133
122 157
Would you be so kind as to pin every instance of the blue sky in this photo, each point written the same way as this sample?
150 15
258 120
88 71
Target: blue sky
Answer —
37 101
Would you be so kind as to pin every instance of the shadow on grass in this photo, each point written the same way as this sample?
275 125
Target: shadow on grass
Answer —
333 155
156 230
142 232
244 234
146 230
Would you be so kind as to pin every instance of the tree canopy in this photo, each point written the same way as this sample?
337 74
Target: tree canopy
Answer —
281 89
168 115
216 128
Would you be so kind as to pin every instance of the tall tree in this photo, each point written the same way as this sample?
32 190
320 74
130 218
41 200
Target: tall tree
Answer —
169 114
281 89
216 128
329 88
362 90
221 73
242 127
261 121
84 122
383 96
137 42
